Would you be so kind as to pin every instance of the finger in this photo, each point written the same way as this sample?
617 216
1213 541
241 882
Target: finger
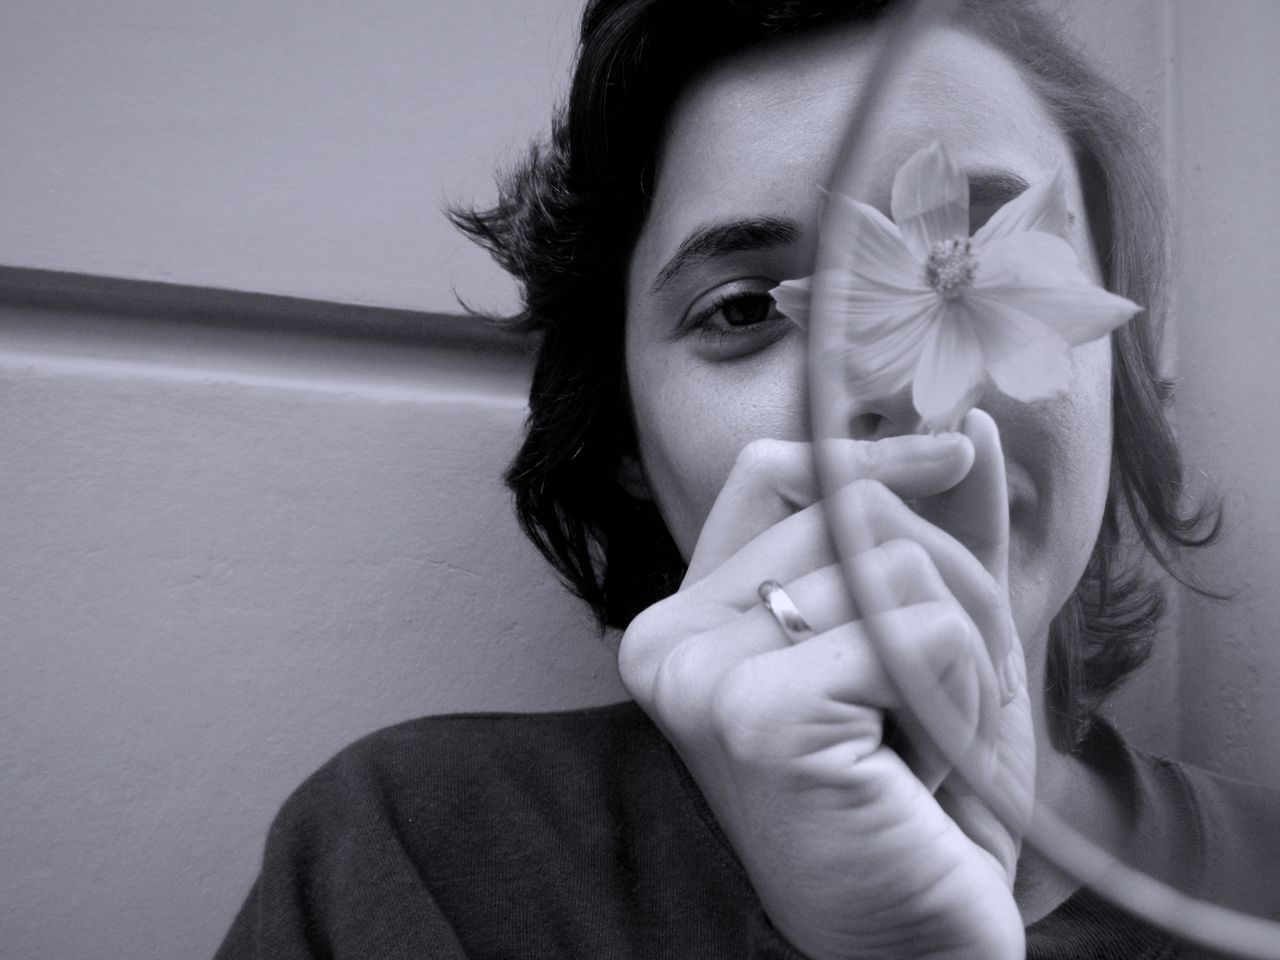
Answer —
714 640
976 510
674 650
957 717
728 638
769 481
772 479
822 701
976 513
943 717
800 544
867 513
997 814
983 827
821 599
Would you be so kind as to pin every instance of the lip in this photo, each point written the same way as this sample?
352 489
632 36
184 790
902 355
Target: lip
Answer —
1018 481
1022 495
1024 501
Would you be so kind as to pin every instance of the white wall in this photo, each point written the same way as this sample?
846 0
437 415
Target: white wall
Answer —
226 554
234 536
1225 133
284 146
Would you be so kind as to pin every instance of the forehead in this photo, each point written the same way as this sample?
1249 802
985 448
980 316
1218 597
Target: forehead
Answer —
758 132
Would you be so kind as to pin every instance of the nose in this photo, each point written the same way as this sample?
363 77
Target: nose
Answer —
892 415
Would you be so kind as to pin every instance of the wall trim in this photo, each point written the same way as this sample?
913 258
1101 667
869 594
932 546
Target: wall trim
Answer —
57 291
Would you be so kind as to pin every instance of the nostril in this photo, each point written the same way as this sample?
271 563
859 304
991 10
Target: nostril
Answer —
865 425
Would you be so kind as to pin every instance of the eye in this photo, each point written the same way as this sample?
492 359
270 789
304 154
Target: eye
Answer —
988 192
980 213
747 309
737 318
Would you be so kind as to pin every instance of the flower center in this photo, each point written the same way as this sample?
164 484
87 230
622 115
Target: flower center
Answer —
950 267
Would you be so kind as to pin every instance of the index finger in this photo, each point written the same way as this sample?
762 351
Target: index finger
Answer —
976 513
772 479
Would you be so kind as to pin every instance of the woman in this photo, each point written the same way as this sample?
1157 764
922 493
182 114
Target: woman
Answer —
754 802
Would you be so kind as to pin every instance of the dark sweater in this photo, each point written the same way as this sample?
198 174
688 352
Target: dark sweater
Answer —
581 835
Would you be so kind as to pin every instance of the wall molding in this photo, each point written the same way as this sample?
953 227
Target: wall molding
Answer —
55 291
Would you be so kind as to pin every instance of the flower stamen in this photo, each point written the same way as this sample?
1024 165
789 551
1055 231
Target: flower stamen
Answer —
951 267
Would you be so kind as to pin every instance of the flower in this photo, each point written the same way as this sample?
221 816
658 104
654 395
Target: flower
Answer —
925 304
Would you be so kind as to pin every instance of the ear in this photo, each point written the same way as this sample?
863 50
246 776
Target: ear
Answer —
632 479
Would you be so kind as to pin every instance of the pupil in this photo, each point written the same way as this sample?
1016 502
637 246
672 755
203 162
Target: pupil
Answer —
744 311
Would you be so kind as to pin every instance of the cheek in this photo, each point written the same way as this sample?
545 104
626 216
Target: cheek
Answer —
692 418
1089 429
1068 456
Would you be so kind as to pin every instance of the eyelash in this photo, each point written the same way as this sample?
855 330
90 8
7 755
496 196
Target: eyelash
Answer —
701 322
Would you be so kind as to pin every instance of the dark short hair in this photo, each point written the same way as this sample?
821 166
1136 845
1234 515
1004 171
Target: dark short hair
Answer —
565 224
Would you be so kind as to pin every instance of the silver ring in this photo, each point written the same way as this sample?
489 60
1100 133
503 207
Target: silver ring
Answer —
784 610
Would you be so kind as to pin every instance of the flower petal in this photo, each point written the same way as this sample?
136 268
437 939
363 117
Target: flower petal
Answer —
866 310
950 375
1042 206
930 200
792 298
883 363
1039 275
1026 359
877 281
860 307
873 249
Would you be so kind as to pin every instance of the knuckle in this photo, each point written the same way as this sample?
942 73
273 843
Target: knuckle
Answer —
861 499
957 634
652 668
904 554
672 675
949 642
671 693
736 714
636 653
895 561
990 593
870 458
867 488
955 625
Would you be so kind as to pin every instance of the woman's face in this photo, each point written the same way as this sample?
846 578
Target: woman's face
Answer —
756 138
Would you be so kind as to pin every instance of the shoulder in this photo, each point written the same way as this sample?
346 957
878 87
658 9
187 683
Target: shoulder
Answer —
430 830
1206 835
500 745
1239 827
1209 835
459 767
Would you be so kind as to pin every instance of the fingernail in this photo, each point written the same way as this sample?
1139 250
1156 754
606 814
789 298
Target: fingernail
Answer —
942 445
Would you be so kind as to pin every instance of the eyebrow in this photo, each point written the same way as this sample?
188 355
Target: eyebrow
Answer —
716 239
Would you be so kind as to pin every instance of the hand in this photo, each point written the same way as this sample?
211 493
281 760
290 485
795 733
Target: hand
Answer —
856 849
